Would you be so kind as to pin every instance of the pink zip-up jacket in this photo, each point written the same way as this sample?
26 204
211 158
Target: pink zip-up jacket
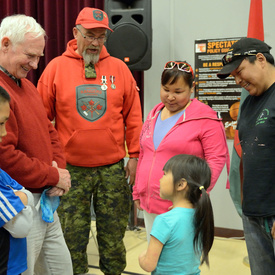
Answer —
198 132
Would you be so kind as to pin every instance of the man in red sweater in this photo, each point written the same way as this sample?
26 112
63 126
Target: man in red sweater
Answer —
31 152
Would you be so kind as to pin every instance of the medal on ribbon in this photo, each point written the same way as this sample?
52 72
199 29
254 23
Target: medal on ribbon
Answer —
112 79
104 82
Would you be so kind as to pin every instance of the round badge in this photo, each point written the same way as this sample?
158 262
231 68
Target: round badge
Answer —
104 87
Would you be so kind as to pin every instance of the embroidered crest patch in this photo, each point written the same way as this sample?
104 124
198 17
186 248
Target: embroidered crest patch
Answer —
98 15
91 101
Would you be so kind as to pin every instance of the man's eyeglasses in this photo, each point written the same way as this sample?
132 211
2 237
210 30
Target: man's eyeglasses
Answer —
100 40
182 66
230 56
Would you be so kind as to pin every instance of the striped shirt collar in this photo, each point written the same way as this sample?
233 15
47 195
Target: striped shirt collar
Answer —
16 80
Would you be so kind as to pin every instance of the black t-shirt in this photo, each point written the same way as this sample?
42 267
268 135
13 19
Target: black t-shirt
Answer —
256 127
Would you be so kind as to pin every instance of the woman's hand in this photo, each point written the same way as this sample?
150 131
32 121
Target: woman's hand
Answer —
137 203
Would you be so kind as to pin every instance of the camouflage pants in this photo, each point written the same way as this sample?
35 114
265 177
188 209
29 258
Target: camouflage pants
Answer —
111 193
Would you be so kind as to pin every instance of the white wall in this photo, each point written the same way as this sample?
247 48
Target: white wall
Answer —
176 25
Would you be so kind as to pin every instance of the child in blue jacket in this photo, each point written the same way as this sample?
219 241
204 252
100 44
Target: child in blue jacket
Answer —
15 210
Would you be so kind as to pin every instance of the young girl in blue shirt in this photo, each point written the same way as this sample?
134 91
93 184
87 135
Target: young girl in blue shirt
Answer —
182 237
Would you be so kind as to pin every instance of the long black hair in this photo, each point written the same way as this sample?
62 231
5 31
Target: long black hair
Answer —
198 176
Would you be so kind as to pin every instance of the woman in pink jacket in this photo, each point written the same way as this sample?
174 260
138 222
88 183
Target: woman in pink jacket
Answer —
177 125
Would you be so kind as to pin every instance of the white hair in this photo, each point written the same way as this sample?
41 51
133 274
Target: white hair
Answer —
15 27
90 58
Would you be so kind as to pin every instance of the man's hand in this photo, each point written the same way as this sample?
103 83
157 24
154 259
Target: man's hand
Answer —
54 164
55 192
130 169
64 183
64 180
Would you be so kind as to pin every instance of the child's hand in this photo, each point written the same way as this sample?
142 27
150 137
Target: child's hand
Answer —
149 258
23 197
141 259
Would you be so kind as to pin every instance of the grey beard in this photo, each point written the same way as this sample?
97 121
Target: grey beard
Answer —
90 58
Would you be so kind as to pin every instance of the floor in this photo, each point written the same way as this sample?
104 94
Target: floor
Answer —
227 256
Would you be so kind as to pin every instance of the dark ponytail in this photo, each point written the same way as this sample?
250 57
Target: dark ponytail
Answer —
204 226
198 176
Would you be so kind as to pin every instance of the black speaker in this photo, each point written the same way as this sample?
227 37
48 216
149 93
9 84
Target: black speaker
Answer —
131 40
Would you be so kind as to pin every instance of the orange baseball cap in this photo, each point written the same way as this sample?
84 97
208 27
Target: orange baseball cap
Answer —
91 18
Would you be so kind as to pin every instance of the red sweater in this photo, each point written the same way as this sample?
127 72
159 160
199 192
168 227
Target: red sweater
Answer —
32 142
92 123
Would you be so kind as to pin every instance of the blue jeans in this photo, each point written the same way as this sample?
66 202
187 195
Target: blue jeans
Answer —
260 244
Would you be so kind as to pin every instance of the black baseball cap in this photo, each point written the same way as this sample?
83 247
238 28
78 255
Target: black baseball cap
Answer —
239 51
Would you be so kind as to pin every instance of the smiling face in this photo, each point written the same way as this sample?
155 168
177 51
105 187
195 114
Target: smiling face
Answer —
176 96
21 58
253 76
4 116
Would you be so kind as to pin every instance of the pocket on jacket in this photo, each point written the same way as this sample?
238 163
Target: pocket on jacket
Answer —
92 147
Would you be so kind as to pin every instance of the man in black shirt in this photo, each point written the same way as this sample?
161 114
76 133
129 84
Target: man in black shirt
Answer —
249 61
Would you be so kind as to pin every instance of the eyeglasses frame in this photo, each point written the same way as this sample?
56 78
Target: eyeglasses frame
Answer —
91 39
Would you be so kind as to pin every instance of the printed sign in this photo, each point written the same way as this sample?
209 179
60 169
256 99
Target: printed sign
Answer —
222 95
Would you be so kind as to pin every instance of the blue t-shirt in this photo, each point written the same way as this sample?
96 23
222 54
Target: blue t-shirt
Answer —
15 248
175 229
162 127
